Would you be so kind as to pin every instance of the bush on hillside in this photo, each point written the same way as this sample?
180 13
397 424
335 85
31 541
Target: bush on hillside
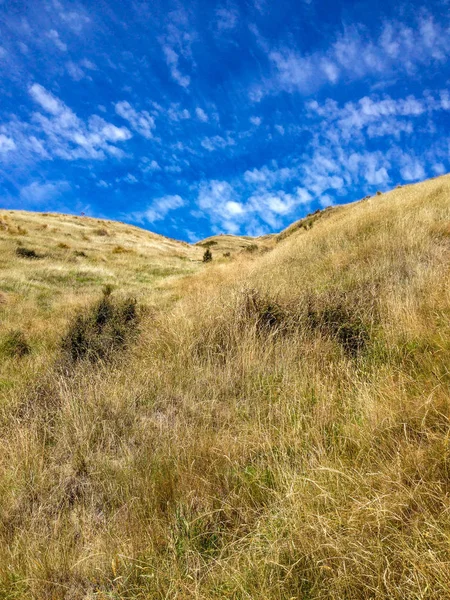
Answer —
101 231
340 318
265 313
27 253
15 345
101 330
207 256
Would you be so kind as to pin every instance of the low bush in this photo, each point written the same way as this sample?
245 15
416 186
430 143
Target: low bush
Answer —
207 256
101 330
121 250
341 318
266 314
101 231
15 345
27 253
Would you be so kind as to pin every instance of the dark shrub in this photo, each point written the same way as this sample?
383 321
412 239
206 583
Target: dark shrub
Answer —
251 248
207 256
335 316
209 243
15 345
101 330
267 314
27 253
101 231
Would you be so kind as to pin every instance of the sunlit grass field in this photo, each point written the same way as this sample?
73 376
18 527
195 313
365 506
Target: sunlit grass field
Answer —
273 424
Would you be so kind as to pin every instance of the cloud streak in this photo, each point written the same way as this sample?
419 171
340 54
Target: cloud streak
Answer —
356 54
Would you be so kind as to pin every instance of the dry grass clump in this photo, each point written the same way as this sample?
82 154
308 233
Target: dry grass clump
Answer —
121 250
98 332
15 344
27 253
101 231
280 430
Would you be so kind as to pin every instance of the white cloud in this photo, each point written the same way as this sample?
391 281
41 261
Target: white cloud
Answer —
148 165
66 135
76 20
54 36
201 115
268 177
224 203
325 201
176 45
304 197
75 71
172 60
175 113
216 142
377 117
7 144
280 129
130 178
87 64
227 19
159 208
140 121
47 101
103 184
256 121
439 168
356 54
412 170
38 194
279 203
219 201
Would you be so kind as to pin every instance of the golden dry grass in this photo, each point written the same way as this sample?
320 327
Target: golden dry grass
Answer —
279 430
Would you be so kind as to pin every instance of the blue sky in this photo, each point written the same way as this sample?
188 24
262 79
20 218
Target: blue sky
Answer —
204 117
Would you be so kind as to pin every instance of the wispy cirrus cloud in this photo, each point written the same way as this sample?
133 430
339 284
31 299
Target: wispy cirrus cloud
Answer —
7 144
160 208
172 59
140 121
227 18
201 115
157 114
177 46
54 36
217 142
355 54
59 132
75 17
36 193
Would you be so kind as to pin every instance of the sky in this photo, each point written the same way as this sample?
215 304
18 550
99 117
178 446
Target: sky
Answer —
204 117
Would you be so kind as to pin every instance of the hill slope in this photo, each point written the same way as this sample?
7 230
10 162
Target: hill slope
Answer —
275 426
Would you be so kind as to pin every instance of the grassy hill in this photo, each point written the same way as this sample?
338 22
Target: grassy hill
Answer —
274 424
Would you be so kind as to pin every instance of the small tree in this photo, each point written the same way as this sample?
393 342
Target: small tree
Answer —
207 256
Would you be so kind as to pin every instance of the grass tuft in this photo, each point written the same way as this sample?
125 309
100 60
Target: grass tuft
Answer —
100 331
